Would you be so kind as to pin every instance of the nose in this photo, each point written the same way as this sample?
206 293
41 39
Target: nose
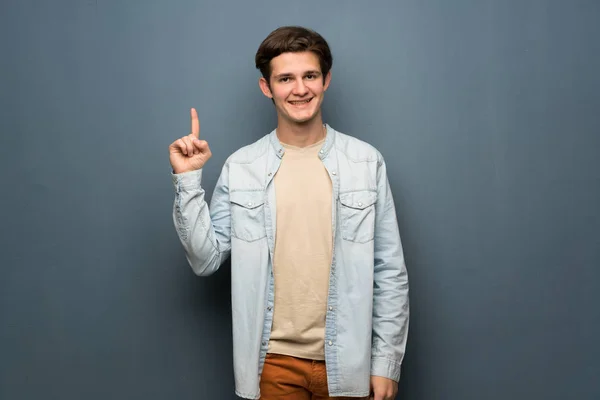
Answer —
300 88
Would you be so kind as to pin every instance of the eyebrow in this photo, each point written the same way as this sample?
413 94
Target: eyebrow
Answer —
289 75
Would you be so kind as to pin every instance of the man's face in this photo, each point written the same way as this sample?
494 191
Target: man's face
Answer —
296 86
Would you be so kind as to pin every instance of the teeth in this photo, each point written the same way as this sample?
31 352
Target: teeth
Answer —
300 102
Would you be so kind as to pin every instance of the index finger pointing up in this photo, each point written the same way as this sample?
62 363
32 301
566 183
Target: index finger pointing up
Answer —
195 123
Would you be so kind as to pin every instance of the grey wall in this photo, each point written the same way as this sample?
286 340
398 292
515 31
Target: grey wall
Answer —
487 114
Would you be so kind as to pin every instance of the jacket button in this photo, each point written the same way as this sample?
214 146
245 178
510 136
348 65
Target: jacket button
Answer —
330 343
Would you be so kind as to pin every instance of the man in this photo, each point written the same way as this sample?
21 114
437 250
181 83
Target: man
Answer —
319 284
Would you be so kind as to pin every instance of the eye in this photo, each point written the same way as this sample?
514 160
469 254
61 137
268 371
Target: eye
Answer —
285 79
311 76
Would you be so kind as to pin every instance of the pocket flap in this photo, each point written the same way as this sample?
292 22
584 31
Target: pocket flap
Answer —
359 199
248 199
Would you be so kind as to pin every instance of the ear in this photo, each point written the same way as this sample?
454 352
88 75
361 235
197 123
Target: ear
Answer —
264 87
327 81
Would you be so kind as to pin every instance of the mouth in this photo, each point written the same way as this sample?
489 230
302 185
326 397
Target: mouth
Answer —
300 103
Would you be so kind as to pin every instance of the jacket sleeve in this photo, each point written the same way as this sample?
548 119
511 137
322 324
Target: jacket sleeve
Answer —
204 232
390 286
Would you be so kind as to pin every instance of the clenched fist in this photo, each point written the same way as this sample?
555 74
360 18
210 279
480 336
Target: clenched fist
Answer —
189 153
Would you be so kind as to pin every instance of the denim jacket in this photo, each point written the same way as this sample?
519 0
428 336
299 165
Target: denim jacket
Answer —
367 317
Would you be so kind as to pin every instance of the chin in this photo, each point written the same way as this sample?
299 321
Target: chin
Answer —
303 120
304 117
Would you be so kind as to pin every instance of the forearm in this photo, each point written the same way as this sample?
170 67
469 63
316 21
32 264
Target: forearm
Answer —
193 223
390 287
390 319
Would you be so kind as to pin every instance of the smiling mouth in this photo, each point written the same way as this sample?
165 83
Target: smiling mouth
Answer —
300 102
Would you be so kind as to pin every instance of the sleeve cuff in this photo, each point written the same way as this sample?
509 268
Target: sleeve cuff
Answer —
187 180
381 366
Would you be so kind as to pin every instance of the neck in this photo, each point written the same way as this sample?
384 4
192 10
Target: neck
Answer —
300 135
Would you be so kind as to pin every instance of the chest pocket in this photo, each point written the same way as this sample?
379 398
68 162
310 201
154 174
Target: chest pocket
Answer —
357 215
248 215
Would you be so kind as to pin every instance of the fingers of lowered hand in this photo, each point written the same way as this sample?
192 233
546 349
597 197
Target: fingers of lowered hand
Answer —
382 395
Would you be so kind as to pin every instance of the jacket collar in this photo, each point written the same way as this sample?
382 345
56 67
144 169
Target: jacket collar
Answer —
323 152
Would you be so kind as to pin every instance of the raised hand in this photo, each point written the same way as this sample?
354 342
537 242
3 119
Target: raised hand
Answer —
189 153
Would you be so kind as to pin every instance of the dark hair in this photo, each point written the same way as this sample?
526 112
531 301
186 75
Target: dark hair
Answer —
292 39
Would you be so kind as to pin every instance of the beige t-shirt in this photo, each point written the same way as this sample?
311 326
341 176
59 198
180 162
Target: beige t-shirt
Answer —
302 258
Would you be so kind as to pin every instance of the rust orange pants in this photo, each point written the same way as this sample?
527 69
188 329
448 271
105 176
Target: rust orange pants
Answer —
291 378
